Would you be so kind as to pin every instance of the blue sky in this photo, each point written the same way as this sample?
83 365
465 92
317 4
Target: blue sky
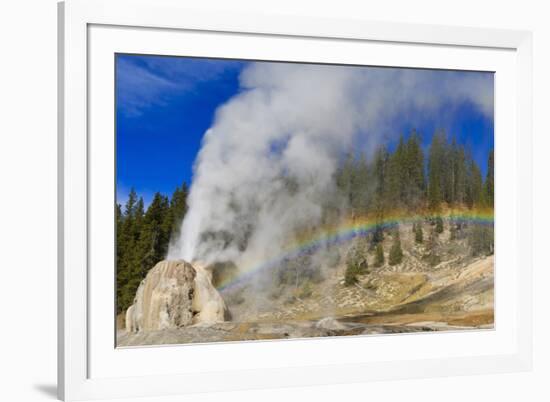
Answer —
165 104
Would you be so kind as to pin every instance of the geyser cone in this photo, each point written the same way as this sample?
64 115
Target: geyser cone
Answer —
175 293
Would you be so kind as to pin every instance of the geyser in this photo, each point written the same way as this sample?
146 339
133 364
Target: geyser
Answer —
266 166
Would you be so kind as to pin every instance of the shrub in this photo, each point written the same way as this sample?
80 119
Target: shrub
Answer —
379 256
418 234
453 231
305 291
297 270
396 253
356 264
481 240
439 225
432 257
350 277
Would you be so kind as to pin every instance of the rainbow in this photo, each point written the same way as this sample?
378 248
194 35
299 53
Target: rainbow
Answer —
346 231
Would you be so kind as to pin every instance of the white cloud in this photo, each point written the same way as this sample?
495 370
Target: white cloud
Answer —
147 81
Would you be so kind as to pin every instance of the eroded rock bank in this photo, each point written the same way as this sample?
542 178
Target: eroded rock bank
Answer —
175 294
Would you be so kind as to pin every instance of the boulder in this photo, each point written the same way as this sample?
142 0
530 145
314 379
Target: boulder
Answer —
331 324
175 294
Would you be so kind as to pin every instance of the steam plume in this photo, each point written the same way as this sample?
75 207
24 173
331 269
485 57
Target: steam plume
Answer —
267 164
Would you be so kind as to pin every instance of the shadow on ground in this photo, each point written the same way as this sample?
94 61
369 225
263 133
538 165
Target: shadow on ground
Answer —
47 389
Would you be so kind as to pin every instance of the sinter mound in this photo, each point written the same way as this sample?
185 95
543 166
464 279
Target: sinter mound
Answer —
175 294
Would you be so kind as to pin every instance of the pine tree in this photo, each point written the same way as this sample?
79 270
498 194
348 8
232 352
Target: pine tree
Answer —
435 170
356 263
481 240
453 230
379 256
432 257
129 225
359 193
447 173
377 235
459 174
155 235
344 177
142 241
396 175
380 168
178 207
396 253
139 212
414 182
438 225
130 203
490 180
475 185
418 233
119 238
121 247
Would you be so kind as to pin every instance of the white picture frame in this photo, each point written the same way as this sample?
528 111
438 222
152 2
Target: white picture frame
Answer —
90 367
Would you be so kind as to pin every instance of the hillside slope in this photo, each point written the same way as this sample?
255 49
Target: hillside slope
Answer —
455 293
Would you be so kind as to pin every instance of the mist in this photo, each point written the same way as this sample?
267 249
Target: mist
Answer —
266 165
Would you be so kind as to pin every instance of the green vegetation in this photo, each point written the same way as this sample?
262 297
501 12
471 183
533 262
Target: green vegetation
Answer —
432 257
396 253
377 236
356 263
305 291
481 239
400 180
379 256
454 177
388 181
438 225
490 180
453 230
297 271
418 233
143 237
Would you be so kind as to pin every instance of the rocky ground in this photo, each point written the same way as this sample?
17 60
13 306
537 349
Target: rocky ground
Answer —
455 294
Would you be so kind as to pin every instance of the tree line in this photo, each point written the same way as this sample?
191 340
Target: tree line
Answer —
406 179
143 236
